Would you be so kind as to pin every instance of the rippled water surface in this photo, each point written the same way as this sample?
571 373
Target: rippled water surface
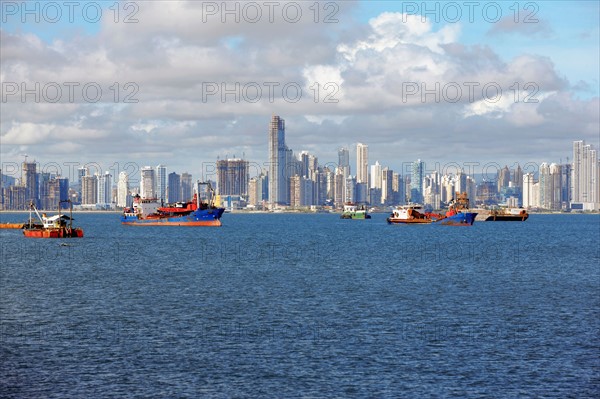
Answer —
285 305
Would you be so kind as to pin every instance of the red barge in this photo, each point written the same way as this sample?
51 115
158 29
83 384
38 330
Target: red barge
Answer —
57 226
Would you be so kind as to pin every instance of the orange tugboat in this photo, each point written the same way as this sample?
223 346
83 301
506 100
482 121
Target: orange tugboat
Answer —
57 226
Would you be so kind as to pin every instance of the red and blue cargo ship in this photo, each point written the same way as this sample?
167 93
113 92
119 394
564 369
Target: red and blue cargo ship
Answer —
149 212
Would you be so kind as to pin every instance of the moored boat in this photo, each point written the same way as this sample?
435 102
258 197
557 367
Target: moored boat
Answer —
352 211
12 225
458 213
198 212
57 226
507 215
411 214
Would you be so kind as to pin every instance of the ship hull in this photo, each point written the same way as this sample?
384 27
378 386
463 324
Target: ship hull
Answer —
53 233
205 217
459 219
506 218
355 216
408 221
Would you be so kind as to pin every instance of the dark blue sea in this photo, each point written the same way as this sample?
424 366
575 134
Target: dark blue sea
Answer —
298 305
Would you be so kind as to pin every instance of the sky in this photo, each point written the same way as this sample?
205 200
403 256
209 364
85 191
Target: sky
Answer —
183 83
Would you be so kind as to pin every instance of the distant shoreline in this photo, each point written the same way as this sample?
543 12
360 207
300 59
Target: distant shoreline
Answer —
286 212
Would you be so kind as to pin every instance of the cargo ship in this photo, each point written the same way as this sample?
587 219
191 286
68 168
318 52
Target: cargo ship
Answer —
57 226
458 212
200 211
457 215
411 214
507 215
352 211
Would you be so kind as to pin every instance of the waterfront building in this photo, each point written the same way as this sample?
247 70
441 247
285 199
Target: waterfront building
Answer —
586 176
350 189
123 190
161 183
416 185
399 189
187 192
232 177
344 161
105 189
376 175
362 163
279 157
529 195
89 190
173 187
147 182
30 179
387 194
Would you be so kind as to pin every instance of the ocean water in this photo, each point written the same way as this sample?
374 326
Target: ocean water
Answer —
286 305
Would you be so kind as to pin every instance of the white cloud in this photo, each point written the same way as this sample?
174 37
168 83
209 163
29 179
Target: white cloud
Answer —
169 54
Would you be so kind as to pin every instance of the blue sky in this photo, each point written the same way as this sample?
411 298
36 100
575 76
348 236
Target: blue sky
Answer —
570 33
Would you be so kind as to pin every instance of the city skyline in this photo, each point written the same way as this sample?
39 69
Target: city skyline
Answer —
308 183
407 81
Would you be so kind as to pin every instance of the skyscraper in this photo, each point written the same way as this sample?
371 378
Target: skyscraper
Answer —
416 181
186 187
586 175
105 188
161 183
147 182
362 163
529 199
122 189
173 188
232 177
30 179
279 156
344 161
376 175
89 190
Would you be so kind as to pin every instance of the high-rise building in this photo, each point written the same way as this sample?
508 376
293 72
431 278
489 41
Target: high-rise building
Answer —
30 179
187 192
83 171
344 161
173 188
416 185
517 177
147 182
89 190
105 188
123 190
503 178
232 177
387 193
398 189
339 186
586 175
362 163
529 200
556 187
376 175
350 189
161 183
279 158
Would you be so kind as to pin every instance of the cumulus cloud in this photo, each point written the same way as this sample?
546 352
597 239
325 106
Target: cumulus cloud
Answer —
180 91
